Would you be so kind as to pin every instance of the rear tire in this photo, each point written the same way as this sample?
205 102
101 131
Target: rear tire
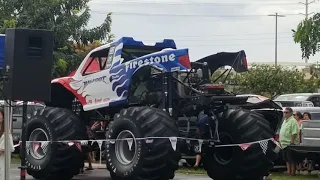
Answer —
235 127
57 160
154 161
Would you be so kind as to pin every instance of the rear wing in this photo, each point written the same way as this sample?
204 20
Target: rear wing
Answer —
237 60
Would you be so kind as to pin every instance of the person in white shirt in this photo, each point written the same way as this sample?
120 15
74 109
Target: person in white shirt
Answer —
2 145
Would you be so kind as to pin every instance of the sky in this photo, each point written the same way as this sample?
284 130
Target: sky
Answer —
207 27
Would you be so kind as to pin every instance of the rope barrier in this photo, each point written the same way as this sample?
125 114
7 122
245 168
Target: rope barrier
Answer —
173 141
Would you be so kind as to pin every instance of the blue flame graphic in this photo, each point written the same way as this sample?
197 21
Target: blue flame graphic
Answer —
118 74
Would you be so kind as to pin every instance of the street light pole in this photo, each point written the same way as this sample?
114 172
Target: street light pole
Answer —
276 37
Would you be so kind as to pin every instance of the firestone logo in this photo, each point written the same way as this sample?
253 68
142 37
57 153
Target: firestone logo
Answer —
156 59
99 79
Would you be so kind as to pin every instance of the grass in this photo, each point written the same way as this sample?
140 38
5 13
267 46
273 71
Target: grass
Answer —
15 159
275 175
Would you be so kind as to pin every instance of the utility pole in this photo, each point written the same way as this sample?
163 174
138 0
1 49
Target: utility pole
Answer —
276 38
306 14
307 3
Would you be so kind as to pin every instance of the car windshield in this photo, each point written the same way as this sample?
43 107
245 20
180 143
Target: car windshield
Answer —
293 97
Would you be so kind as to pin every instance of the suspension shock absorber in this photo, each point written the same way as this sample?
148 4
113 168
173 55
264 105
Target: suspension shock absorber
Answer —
167 87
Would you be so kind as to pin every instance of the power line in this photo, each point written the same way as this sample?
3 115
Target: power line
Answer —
186 3
188 15
213 35
215 45
215 40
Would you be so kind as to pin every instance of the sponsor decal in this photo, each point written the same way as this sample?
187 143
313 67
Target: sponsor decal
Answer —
98 100
175 68
114 77
99 79
154 59
106 99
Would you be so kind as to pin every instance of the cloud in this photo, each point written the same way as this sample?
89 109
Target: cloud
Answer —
207 27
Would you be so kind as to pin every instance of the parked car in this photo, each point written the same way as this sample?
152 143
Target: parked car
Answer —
310 143
315 115
299 100
17 118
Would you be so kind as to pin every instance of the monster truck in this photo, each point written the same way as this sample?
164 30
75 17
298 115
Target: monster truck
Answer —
141 91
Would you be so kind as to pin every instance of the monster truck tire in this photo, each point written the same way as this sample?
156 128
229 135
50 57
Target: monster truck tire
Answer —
235 127
58 160
156 160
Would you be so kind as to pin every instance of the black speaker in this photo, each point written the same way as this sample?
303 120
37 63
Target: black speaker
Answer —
28 64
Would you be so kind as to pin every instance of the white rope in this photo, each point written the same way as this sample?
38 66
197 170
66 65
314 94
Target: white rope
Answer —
254 142
147 138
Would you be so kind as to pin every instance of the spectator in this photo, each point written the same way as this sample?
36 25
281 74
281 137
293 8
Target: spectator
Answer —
307 116
299 117
288 135
88 155
202 122
2 144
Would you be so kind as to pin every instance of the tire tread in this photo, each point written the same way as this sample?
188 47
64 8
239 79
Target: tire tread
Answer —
67 126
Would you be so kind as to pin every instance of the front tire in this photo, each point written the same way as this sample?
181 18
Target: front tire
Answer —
236 127
156 160
54 160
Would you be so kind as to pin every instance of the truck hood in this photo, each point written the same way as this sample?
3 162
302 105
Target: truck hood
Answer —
270 109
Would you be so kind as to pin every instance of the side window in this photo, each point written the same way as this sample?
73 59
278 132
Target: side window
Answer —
315 116
17 110
108 60
94 66
316 101
96 62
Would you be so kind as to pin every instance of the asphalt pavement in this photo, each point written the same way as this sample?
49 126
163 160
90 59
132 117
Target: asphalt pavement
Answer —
99 174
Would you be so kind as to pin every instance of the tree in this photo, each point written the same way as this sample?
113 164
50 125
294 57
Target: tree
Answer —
66 18
314 71
81 50
271 81
308 35
228 79
219 76
7 15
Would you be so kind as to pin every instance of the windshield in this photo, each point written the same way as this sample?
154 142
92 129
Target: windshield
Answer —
292 97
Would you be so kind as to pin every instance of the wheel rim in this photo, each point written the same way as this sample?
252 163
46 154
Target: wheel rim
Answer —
38 150
224 155
124 155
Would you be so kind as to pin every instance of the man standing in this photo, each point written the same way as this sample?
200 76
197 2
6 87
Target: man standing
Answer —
288 134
